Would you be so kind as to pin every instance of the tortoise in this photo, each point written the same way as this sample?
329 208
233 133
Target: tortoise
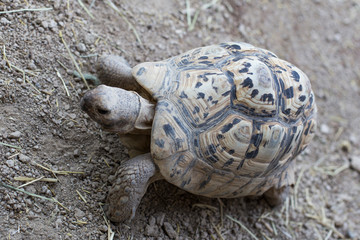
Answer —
221 121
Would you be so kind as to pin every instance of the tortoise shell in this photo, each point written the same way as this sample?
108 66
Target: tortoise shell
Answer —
230 118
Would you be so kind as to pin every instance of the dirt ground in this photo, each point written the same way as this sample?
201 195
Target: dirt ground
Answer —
44 134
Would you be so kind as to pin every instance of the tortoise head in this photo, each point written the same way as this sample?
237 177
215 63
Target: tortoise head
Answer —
115 109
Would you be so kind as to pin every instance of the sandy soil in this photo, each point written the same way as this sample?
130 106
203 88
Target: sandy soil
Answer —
43 132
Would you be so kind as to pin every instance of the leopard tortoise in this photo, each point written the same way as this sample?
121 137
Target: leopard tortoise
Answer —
220 121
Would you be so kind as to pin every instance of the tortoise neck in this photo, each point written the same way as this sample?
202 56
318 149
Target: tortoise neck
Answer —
143 123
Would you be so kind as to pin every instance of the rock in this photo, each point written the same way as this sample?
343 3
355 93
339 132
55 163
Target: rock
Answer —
79 214
160 219
103 228
325 129
15 135
4 21
81 47
152 231
10 163
355 163
152 221
76 153
23 158
45 24
170 230
345 146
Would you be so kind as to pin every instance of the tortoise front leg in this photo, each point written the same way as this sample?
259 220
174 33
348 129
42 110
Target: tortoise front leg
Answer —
131 182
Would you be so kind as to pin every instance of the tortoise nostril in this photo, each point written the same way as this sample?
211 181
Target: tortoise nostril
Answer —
103 111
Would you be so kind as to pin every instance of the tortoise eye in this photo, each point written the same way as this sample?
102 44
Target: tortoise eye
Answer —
103 111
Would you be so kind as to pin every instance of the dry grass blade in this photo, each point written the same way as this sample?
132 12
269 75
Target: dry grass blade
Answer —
28 183
63 82
200 205
29 179
326 224
112 5
85 8
26 192
242 226
73 60
217 231
57 172
26 10
81 196
297 186
9 145
221 212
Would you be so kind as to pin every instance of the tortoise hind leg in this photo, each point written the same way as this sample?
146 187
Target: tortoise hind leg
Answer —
131 181
276 196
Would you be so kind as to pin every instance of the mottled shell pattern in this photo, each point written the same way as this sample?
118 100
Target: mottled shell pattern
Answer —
230 118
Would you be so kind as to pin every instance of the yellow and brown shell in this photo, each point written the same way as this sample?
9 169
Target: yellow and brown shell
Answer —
230 118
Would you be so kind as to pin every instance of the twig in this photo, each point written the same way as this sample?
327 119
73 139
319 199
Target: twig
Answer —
241 225
112 5
85 8
26 10
73 59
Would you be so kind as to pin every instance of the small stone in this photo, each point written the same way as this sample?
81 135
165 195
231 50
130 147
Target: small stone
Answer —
103 228
23 158
44 24
160 219
152 221
76 153
10 163
79 214
355 163
170 230
345 146
30 189
152 231
15 135
81 47
324 129
350 234
4 21
52 24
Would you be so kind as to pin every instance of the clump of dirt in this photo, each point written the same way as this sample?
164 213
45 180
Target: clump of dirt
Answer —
45 137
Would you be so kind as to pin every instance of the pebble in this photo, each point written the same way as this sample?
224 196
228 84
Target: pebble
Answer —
23 158
10 163
355 163
345 146
103 228
324 129
170 230
152 231
4 21
160 219
15 135
76 153
81 47
79 214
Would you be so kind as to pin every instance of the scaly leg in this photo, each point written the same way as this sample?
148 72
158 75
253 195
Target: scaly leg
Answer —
132 180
